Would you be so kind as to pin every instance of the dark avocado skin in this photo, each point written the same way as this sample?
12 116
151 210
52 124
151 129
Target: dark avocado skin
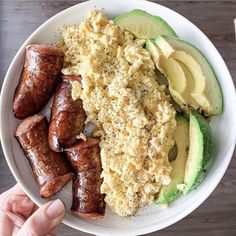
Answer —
207 149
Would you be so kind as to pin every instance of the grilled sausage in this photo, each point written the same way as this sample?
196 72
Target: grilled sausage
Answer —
68 116
39 79
50 169
88 202
84 157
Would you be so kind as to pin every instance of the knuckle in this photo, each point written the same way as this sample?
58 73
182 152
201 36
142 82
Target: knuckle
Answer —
10 203
7 204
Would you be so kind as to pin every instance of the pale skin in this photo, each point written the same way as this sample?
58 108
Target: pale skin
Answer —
19 216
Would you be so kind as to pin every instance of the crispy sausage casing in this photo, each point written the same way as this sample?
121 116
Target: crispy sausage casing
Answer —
68 116
39 79
50 169
84 157
88 202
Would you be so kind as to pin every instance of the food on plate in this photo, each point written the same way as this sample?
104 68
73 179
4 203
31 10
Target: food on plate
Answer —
50 169
131 111
84 157
172 191
200 156
143 25
138 148
180 81
206 90
88 202
40 76
67 117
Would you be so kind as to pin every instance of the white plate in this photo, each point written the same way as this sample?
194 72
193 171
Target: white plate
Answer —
154 217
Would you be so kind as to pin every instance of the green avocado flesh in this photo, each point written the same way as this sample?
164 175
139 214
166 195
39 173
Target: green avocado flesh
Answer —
143 25
205 89
170 192
200 155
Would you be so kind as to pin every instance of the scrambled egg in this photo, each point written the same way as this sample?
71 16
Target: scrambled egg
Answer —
132 113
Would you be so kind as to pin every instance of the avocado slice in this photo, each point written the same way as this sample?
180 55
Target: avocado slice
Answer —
155 52
176 79
200 156
207 92
171 192
181 84
143 25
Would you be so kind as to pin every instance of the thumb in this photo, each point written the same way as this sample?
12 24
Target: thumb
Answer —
44 220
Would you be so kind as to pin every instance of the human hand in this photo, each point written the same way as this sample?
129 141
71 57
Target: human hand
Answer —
19 215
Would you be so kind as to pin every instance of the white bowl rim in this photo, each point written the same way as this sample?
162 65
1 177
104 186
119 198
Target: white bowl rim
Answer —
108 231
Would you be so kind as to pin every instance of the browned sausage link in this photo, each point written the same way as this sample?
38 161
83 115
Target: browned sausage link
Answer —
68 116
88 202
85 156
85 159
39 79
50 169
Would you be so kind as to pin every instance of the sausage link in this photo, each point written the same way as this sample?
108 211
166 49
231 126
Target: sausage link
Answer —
42 69
50 169
88 202
84 157
68 116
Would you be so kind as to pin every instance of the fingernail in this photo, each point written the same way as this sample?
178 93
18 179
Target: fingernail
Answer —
55 209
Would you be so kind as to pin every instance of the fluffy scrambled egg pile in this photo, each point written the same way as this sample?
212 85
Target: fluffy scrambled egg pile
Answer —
132 113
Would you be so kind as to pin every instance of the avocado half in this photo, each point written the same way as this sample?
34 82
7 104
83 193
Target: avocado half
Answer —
180 82
206 91
200 156
143 25
171 192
